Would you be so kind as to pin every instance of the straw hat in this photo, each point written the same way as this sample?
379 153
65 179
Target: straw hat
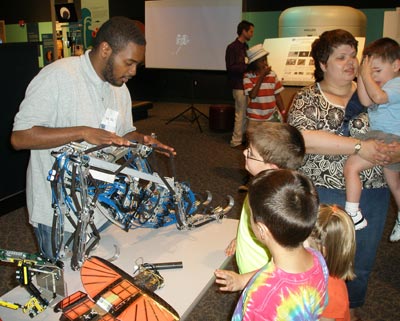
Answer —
256 52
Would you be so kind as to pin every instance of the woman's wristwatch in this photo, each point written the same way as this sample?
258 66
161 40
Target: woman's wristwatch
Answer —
357 147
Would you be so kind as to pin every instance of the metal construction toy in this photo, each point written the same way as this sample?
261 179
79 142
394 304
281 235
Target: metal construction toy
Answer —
131 194
30 265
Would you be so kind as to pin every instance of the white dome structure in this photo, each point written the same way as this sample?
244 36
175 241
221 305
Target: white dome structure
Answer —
313 20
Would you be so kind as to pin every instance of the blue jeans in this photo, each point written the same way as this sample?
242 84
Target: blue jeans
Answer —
374 205
43 236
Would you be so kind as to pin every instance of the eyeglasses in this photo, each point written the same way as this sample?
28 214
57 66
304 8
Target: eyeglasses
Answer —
248 156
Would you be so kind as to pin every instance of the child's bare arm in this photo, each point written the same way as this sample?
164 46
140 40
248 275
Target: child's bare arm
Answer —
231 249
254 92
232 281
374 91
280 104
362 93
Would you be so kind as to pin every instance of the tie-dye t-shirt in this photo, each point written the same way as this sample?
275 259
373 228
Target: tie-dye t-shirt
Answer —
273 294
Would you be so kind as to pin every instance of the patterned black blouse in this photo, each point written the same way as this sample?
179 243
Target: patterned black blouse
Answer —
311 110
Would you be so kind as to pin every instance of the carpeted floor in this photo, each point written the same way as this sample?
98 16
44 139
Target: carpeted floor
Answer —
206 162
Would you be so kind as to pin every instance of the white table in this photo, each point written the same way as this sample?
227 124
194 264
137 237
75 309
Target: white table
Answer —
201 250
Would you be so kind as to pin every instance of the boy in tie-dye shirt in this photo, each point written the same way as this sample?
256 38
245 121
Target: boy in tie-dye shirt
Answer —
292 286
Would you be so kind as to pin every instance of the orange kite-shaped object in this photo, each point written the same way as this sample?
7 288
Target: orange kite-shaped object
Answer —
112 296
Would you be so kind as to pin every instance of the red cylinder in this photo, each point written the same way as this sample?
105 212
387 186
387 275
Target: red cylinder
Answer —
221 117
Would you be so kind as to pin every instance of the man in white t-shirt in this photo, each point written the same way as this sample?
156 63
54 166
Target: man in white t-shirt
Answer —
81 99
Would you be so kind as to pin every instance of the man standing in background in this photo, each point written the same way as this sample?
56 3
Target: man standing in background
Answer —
235 59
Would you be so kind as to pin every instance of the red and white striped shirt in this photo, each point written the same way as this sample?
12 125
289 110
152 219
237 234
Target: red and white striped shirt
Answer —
264 105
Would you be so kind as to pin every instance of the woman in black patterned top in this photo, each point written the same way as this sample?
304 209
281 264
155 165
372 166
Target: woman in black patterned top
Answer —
329 114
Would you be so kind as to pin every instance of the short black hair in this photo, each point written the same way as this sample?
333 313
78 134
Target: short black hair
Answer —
286 202
243 25
118 32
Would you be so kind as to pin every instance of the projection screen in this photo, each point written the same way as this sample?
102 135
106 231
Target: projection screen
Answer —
190 34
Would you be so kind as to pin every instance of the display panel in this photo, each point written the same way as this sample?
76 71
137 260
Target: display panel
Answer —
290 58
190 34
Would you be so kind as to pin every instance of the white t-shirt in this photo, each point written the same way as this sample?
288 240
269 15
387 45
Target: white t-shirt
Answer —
66 93
386 117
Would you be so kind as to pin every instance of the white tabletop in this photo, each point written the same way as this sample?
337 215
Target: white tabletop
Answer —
201 250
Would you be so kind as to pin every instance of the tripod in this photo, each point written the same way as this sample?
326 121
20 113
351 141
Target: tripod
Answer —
195 114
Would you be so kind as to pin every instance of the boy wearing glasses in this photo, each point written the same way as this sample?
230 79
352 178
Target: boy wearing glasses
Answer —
271 146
